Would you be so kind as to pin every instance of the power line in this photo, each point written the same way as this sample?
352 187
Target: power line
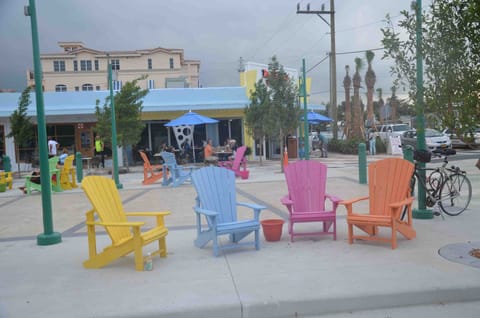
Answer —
311 68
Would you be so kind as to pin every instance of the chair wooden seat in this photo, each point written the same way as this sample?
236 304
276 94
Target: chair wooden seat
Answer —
389 194
126 236
307 200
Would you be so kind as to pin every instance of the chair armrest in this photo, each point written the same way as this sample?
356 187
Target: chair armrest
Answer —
252 205
256 208
351 201
148 213
333 198
285 200
205 211
129 224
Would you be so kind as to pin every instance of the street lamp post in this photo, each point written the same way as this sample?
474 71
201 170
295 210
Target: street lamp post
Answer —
114 129
306 143
48 237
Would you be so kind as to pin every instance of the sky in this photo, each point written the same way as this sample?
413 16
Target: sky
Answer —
217 33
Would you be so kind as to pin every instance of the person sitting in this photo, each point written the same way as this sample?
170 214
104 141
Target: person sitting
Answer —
63 156
208 152
35 178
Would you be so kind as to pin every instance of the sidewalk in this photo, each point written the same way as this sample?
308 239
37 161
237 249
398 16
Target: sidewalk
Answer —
312 277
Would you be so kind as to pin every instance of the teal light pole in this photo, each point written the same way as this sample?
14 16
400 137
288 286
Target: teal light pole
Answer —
421 212
114 129
48 237
305 120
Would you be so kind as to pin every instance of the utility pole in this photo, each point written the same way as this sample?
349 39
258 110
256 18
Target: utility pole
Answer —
333 64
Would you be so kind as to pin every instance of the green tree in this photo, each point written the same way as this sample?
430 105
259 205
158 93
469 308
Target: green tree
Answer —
347 83
257 112
451 51
21 126
128 109
281 115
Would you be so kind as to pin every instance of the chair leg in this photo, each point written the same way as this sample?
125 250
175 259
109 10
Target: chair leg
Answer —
162 245
394 236
257 239
350 234
334 230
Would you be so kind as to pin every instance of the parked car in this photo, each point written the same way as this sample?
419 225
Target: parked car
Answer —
434 139
457 142
385 131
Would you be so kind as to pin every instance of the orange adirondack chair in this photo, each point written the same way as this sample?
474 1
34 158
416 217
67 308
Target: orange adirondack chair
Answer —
389 193
149 174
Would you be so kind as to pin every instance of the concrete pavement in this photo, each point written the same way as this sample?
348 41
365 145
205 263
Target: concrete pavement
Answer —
312 277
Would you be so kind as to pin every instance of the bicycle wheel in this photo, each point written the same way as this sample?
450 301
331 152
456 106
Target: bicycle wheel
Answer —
455 194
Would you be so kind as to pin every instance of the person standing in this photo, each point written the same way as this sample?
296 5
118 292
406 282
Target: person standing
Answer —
372 136
324 142
52 147
99 149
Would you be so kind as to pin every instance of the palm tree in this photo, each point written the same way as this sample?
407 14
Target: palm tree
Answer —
381 104
347 82
394 103
370 79
357 120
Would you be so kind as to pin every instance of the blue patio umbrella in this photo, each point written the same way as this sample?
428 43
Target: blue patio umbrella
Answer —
189 120
315 118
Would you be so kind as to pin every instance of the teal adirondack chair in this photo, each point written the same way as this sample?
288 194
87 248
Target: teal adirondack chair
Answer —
173 173
216 202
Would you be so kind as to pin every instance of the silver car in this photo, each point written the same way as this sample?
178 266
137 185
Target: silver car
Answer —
433 139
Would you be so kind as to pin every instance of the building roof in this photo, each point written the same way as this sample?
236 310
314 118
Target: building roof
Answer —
157 100
167 99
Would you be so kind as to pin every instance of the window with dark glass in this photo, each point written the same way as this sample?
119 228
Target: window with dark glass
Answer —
85 65
171 63
96 65
115 64
87 87
75 66
97 88
60 88
59 66
149 64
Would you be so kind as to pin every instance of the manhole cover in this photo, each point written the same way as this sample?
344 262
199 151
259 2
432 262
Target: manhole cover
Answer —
475 252
463 253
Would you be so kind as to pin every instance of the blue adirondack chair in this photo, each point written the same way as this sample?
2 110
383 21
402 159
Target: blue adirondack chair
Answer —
174 174
216 201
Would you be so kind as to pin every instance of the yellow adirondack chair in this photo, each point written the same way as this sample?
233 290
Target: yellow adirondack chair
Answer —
67 175
7 179
389 193
126 236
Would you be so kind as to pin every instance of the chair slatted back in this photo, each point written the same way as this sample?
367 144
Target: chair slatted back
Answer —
216 191
106 202
389 181
306 182
239 154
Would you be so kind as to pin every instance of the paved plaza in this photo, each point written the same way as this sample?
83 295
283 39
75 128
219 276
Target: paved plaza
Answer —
312 277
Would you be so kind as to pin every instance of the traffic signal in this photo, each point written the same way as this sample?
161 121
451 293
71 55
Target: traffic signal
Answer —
264 73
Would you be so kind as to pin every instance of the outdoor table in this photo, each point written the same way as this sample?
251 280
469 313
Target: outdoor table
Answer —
223 155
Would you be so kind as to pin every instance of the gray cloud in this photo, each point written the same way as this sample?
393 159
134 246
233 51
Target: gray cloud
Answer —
215 32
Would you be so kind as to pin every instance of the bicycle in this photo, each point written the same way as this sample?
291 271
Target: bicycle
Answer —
446 187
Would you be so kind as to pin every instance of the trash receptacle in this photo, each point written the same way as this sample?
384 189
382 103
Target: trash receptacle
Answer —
7 166
292 147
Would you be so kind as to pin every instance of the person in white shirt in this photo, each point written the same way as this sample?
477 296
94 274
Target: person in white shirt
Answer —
52 147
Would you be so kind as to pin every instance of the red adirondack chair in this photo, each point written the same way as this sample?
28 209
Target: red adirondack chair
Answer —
306 199
238 164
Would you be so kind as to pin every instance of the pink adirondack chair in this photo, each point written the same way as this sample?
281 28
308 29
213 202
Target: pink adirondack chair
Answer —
238 164
306 199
